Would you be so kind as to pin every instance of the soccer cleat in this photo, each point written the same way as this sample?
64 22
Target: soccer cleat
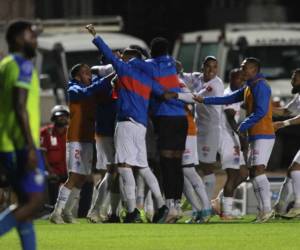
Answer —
206 214
133 217
216 206
69 218
113 218
56 218
265 217
292 213
161 215
143 215
196 216
172 215
94 217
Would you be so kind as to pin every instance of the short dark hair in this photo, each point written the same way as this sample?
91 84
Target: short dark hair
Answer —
13 30
296 71
76 68
254 61
208 59
159 47
132 52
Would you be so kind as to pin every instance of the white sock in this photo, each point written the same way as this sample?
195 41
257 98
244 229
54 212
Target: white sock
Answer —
153 185
295 175
257 195
140 191
129 187
72 201
170 203
263 189
191 195
198 185
227 203
121 188
62 198
285 194
103 191
210 182
149 206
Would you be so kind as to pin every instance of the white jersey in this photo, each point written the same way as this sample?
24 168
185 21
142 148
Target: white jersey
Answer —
207 116
235 106
294 105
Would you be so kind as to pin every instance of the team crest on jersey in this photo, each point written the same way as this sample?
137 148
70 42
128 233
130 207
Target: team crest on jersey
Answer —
26 67
205 148
209 88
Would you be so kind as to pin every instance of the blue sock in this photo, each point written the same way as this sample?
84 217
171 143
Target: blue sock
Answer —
7 221
27 235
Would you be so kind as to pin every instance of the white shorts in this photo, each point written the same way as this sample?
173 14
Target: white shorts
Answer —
130 143
297 157
230 150
190 154
208 144
105 152
79 157
260 151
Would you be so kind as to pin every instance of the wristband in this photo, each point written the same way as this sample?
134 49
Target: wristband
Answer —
286 123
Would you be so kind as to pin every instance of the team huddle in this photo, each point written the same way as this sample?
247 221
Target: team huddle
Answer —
154 126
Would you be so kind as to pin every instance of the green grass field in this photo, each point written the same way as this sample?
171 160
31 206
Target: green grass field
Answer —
242 234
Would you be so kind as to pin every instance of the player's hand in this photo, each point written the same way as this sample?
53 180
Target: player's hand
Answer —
91 29
278 125
32 159
170 95
244 143
198 98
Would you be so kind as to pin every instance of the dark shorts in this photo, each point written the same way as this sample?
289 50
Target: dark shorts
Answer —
21 180
171 131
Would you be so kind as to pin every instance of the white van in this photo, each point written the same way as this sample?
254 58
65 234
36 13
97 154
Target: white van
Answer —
276 45
64 43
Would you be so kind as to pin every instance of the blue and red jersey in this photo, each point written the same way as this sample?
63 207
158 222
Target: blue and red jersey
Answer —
163 70
134 87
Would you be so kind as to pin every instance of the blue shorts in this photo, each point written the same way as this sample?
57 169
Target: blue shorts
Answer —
21 180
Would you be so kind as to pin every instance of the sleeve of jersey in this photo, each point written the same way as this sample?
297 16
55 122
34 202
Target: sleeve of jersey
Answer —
236 96
118 64
146 67
77 93
292 104
261 95
25 75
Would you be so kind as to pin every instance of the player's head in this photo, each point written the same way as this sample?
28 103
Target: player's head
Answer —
82 73
236 79
296 81
60 115
21 37
250 67
128 54
209 68
159 46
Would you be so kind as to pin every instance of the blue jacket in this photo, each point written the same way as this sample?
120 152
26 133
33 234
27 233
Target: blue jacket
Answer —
134 87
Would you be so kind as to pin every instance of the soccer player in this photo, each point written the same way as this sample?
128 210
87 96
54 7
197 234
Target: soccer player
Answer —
257 97
291 183
83 94
20 132
170 123
134 89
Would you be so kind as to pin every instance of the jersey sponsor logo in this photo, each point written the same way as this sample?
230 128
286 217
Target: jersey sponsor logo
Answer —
205 148
39 178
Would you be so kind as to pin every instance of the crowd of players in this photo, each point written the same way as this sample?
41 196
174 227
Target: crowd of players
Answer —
140 109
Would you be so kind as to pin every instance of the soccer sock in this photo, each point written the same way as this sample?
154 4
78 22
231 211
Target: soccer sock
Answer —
170 203
257 195
227 203
129 187
121 188
62 199
285 194
191 195
149 206
210 182
295 175
72 200
197 183
178 180
7 221
153 185
102 191
27 235
263 190
114 202
140 191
